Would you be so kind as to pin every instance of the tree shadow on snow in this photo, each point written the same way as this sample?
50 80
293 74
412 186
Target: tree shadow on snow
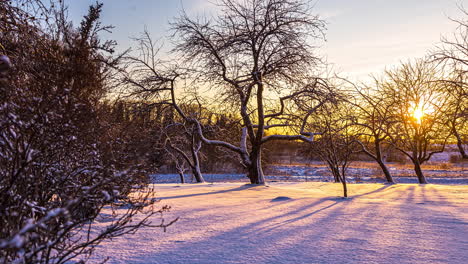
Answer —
240 188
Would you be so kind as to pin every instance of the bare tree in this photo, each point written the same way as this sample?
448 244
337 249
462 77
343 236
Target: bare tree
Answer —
259 54
456 91
186 144
453 56
373 118
180 163
420 129
152 82
455 50
336 144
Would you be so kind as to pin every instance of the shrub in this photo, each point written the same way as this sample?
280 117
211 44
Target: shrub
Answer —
59 168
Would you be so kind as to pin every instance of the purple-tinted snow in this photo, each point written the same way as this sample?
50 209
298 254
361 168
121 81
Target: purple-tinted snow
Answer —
291 222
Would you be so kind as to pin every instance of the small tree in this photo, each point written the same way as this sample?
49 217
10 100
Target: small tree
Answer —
178 142
336 144
178 161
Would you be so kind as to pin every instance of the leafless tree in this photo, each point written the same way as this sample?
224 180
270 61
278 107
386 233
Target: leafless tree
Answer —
184 145
456 90
153 82
455 50
373 118
420 129
258 53
453 57
180 163
336 144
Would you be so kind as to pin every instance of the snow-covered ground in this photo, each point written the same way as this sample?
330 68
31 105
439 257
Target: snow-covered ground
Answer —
306 222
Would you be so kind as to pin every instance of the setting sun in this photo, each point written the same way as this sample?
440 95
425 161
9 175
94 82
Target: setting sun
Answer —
418 113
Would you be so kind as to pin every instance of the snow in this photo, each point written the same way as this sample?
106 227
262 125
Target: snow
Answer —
302 222
106 195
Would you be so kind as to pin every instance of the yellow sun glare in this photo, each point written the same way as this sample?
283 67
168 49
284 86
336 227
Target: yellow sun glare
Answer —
418 113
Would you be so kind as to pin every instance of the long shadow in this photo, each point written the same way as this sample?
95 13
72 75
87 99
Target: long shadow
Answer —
240 188
441 200
292 220
441 197
431 228
290 213
410 195
424 196
336 201
240 239
372 192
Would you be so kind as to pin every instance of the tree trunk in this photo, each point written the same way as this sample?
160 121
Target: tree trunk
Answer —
182 178
198 175
386 172
419 173
381 163
345 187
255 172
342 176
460 145
336 173
336 178
196 167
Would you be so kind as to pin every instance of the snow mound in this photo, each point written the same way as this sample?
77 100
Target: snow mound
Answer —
281 198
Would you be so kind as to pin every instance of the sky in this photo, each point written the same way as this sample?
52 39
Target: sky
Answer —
362 38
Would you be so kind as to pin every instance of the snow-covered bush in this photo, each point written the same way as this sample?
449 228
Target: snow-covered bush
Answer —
59 169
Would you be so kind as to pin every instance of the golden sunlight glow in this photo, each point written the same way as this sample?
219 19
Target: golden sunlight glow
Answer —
417 111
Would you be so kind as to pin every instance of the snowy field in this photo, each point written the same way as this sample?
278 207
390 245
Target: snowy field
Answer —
306 222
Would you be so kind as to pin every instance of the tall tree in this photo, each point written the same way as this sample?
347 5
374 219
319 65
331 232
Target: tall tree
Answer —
259 54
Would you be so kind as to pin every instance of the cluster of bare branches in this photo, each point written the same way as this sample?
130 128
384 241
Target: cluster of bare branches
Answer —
372 120
337 143
60 165
184 146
